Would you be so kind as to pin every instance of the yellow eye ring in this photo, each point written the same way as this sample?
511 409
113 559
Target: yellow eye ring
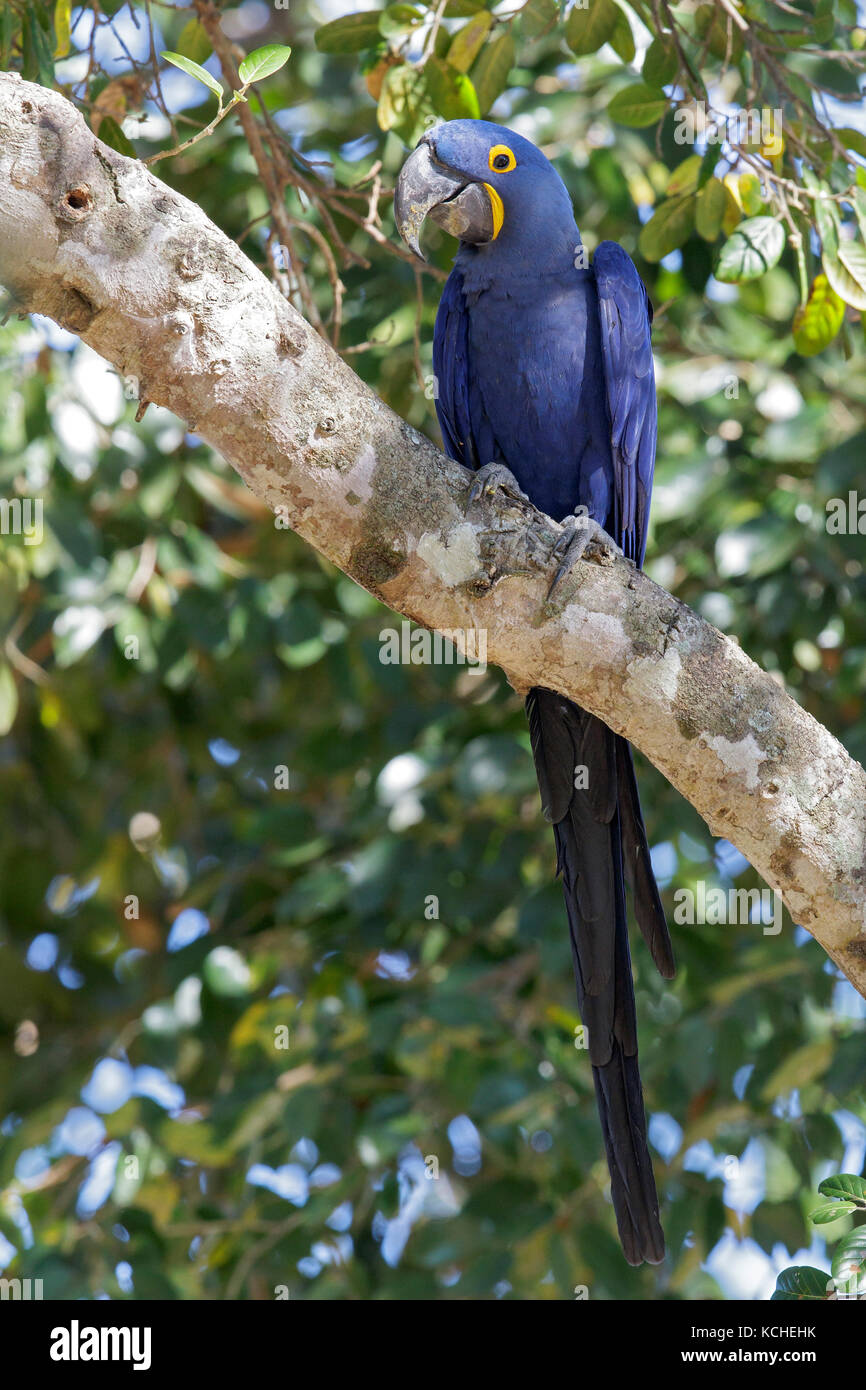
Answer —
504 156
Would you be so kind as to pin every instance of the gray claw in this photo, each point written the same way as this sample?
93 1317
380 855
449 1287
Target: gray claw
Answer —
566 536
578 532
493 478
476 490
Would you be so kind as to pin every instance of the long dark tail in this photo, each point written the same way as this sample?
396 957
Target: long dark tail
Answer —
589 792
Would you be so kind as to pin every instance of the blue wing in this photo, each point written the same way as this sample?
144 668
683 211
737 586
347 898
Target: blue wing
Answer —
626 314
457 407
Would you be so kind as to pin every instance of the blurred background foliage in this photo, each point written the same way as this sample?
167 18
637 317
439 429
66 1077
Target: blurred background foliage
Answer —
285 986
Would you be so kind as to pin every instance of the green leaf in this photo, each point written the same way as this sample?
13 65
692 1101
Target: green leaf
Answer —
852 254
684 178
638 105
405 102
845 1186
824 25
816 324
538 17
668 228
802 1282
37 53
846 285
263 61
7 19
398 20
825 212
622 39
714 28
462 9
194 70
751 194
810 1061
442 42
490 73
660 64
753 249
194 1141
587 29
8 698
852 139
708 165
193 41
468 42
710 211
451 92
822 1216
111 134
849 1264
350 34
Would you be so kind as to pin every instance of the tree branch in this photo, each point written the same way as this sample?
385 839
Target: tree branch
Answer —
93 240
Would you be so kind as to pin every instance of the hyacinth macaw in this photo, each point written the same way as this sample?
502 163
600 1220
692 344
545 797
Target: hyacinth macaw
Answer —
546 389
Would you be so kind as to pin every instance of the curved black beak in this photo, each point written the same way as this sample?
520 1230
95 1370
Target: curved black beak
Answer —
427 188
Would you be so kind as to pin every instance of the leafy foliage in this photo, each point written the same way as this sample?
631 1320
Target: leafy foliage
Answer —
787 172
848 1276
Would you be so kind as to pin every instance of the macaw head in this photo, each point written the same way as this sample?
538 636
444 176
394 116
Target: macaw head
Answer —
485 185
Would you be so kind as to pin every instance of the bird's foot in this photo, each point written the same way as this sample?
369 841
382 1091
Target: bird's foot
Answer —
580 534
493 478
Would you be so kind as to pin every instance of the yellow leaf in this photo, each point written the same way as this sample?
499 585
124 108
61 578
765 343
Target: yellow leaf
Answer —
817 322
8 698
565 1018
684 178
751 197
801 1066
193 41
733 210
62 22
467 42
711 209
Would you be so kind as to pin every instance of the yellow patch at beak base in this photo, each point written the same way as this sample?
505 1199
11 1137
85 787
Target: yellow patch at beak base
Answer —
498 210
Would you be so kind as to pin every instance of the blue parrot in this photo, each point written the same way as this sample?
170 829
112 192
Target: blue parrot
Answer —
546 389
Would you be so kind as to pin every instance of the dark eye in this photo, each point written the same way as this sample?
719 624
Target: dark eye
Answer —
501 159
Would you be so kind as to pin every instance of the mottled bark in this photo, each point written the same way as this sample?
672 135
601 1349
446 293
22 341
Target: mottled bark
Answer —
94 241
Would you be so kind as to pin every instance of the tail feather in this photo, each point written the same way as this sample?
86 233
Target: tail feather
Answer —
648 908
596 820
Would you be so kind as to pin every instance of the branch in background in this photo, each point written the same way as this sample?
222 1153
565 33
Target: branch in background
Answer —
277 171
96 242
